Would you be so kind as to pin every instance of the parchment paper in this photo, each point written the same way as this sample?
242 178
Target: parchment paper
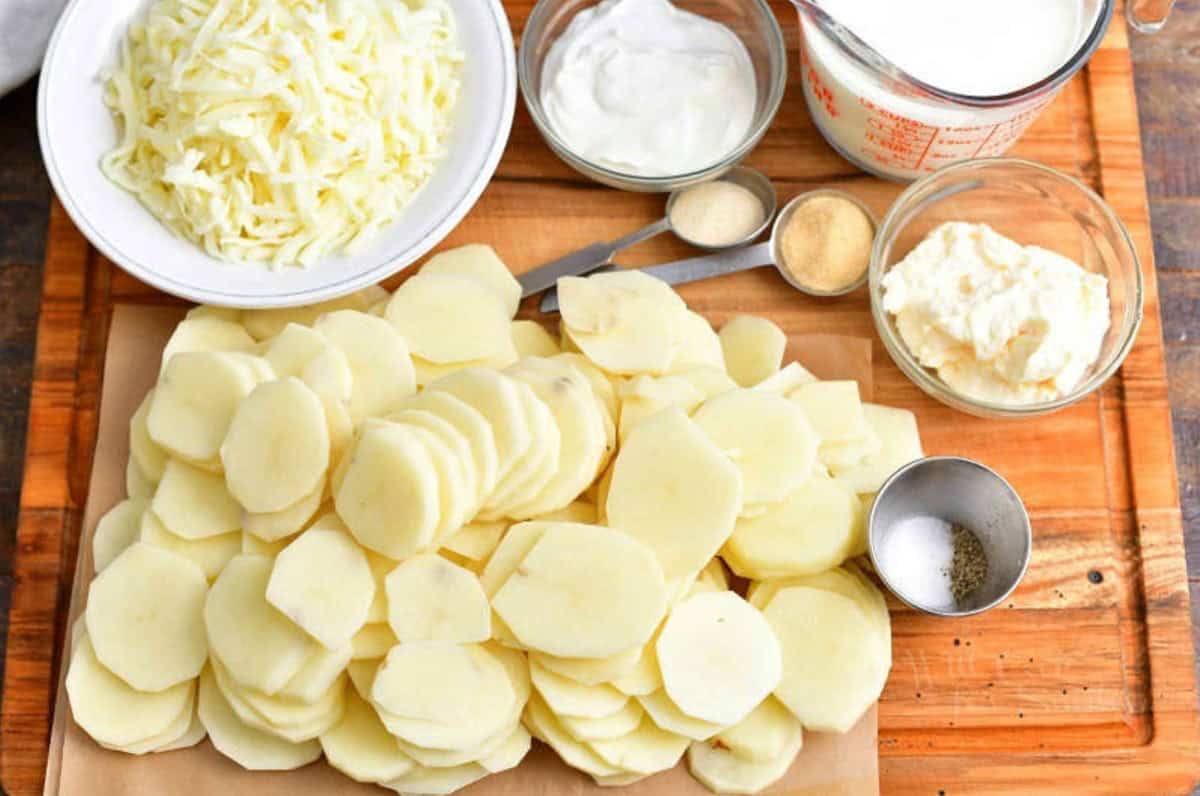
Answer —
829 765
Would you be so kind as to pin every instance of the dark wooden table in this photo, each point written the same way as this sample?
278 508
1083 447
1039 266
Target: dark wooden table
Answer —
1167 69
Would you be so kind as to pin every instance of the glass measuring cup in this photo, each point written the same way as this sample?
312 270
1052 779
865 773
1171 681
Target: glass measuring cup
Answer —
893 125
598 255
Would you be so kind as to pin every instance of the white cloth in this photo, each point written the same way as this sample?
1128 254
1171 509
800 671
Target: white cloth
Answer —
25 28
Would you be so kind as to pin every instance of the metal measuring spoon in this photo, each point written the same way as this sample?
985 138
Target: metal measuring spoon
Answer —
694 269
598 255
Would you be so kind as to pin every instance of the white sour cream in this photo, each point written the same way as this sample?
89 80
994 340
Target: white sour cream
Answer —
644 88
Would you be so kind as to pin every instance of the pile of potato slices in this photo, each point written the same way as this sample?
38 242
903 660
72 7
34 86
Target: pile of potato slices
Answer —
406 533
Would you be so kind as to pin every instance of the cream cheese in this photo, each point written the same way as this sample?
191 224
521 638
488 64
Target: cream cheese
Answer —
644 88
998 321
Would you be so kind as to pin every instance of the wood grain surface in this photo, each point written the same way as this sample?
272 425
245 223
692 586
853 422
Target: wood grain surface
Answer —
1074 686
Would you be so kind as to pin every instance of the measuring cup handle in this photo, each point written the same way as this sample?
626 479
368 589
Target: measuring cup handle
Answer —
696 269
585 260
1148 16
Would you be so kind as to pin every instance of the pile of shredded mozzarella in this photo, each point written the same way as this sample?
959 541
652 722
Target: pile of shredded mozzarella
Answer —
280 130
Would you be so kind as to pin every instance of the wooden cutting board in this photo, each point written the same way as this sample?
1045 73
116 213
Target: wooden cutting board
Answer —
1082 682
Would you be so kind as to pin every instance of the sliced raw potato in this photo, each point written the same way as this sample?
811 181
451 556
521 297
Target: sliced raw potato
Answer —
834 410
481 262
194 403
792 377
117 530
577 511
137 485
252 544
329 375
625 321
441 695
429 372
212 311
154 743
714 574
645 677
532 472
834 664
193 735
360 746
709 381
446 758
591 671
603 385
260 647
510 752
277 450
859 545
145 618
764 735
264 324
566 697
458 483
211 554
150 457
667 715
495 396
323 583
842 456
426 781
675 491
645 750
112 712
388 496
476 541
473 426
546 728
449 317
900 443
373 641
753 348
206 334
809 532
379 361
699 345
275 525
719 657
516 544
260 367
623 722
290 719
293 348
249 747
583 592
646 396
767 436
532 340
431 599
362 675
341 430
380 567
318 674
194 503
723 771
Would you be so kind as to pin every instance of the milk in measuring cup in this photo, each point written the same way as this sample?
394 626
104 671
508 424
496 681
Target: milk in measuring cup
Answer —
979 48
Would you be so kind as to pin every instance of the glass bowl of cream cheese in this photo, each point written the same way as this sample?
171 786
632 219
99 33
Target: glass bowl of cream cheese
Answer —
652 95
1005 288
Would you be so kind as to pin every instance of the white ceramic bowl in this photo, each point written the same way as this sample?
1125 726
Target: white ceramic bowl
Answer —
76 129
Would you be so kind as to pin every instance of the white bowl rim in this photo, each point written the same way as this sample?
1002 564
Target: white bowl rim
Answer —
385 264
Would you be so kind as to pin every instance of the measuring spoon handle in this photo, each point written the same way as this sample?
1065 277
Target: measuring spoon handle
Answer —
585 260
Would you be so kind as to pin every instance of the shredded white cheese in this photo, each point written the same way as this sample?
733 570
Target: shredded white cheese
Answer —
277 131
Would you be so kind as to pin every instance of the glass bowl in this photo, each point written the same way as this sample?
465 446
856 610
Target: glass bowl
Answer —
751 20
1032 204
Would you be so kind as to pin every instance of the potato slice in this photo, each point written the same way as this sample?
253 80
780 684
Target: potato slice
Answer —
546 728
577 511
834 410
645 677
289 719
379 361
194 503
449 317
768 438
426 781
476 541
195 401
111 711
264 324
622 722
667 715
293 348
834 665
625 321
137 485
566 697
583 592
459 487
516 544
250 748
591 671
480 261
809 532
277 450
446 758
255 546
645 750
211 554
792 377
529 475
318 674
213 311
673 490
193 735
275 525
373 641
145 618
510 752
259 646
430 599
360 746
174 731
753 348
441 695
389 494
532 340
473 426
329 375
900 443
117 530
841 456
764 735
719 657
603 385
151 459
322 582
699 345
646 396
206 334
495 397
722 771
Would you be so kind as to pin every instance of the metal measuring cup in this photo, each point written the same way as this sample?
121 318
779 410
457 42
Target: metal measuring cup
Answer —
598 255
759 255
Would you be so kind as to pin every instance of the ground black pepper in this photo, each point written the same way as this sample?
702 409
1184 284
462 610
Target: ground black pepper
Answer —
969 566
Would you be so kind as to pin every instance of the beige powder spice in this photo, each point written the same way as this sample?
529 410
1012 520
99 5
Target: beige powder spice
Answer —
827 242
